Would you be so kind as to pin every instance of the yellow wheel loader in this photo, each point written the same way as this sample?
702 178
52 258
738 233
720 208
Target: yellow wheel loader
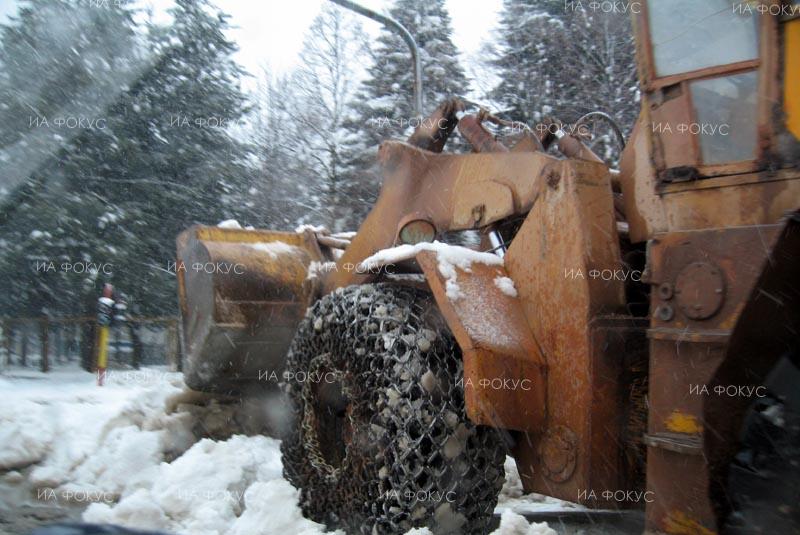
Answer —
629 337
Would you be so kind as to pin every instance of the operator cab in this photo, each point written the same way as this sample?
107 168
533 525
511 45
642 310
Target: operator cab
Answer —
710 73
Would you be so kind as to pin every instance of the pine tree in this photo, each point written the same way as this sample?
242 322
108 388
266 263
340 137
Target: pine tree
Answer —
385 102
171 161
118 195
554 61
526 61
50 81
383 108
47 74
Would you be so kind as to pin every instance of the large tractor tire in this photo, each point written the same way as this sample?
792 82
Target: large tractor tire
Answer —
379 441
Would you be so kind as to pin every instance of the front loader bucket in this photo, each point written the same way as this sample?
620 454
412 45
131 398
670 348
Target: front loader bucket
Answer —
242 294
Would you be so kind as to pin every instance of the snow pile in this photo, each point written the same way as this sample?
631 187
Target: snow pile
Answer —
513 499
231 487
62 415
513 524
133 448
236 487
272 508
112 442
23 437
449 258
506 286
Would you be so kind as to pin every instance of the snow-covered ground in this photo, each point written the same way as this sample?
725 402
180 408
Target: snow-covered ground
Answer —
135 452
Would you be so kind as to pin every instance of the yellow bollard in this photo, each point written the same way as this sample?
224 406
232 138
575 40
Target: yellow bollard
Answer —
102 354
105 311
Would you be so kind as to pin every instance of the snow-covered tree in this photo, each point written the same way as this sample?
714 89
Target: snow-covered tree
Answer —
117 195
325 86
172 162
383 105
64 62
282 195
304 151
385 101
554 61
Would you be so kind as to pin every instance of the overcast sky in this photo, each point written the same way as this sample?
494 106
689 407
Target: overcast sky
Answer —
271 31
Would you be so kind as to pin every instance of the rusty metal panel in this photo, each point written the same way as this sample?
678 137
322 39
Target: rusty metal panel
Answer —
727 201
643 208
732 201
676 469
619 358
528 142
504 373
614 460
569 236
700 280
673 148
242 294
441 189
464 206
730 256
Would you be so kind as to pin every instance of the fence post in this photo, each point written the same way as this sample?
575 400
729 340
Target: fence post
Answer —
45 344
75 347
58 343
8 340
24 349
88 346
136 340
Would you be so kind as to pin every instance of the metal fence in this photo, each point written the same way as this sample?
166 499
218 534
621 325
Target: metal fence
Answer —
46 343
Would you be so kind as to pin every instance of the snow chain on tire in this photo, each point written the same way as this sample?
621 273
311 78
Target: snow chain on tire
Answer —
404 454
315 456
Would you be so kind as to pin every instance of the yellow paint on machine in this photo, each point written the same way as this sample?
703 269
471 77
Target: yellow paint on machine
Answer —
791 82
679 422
680 523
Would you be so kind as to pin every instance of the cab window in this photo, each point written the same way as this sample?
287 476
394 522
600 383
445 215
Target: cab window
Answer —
689 35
